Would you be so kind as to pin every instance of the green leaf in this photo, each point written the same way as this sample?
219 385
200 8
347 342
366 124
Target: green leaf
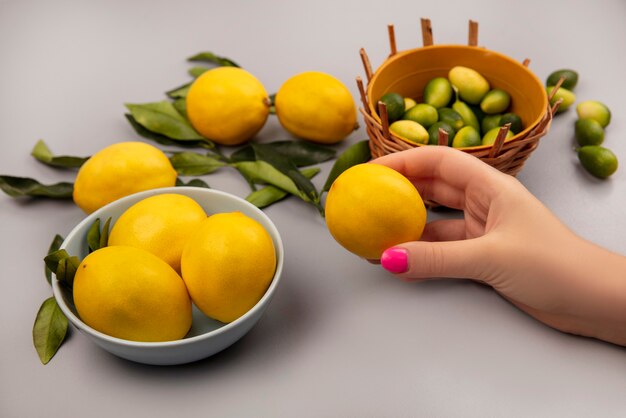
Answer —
66 270
71 266
163 140
61 270
63 265
214 59
245 153
43 154
97 238
181 106
25 186
192 183
300 153
163 118
303 153
263 172
52 259
179 92
285 166
196 72
194 164
54 246
271 194
248 179
49 330
93 235
272 103
104 234
357 153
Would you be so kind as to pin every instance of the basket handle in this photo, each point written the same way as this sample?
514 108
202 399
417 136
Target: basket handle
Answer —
392 40
367 66
472 39
557 104
497 145
442 138
427 32
359 83
384 119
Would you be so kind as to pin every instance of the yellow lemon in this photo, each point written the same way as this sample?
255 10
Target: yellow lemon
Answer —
120 170
317 107
227 265
371 207
227 105
159 224
129 293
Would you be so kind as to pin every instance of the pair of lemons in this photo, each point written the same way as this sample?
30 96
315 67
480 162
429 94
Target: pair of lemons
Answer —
165 253
229 106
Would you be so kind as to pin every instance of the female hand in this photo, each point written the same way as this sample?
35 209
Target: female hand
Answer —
509 240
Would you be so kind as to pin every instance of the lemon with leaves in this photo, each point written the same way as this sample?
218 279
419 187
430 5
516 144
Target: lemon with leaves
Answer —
315 106
160 224
227 105
129 293
228 264
371 207
120 170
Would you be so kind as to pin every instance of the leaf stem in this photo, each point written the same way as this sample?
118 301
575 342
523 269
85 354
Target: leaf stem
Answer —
320 208
219 154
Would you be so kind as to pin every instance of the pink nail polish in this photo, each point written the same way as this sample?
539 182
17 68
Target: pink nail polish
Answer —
395 260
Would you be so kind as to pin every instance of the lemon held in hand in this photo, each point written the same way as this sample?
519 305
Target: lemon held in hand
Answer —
159 224
120 170
129 293
370 208
317 107
228 264
227 105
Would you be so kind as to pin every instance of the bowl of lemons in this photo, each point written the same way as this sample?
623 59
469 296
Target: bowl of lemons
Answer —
171 275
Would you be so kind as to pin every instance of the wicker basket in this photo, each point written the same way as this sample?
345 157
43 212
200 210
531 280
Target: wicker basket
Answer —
407 73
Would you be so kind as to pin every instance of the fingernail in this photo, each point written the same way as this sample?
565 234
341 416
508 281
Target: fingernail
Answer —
395 260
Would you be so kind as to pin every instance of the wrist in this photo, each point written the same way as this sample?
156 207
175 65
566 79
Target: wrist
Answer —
600 300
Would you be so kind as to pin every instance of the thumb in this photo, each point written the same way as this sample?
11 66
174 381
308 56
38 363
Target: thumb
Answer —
421 259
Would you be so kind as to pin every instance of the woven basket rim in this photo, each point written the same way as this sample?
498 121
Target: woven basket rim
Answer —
400 54
521 136
508 153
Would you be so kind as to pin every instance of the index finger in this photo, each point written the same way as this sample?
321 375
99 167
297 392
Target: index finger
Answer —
445 174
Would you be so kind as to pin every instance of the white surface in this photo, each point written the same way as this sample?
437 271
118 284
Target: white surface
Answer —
206 336
341 337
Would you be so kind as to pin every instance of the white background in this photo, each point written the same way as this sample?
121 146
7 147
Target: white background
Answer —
342 338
